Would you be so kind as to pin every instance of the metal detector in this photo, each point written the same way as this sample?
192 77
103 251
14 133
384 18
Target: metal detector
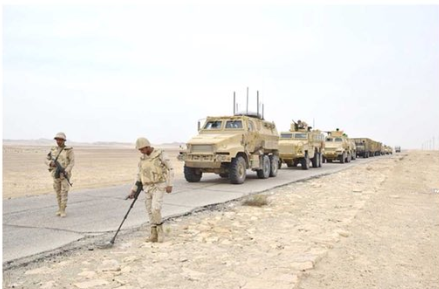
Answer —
110 244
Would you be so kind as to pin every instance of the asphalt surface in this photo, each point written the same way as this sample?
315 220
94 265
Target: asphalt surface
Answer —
30 227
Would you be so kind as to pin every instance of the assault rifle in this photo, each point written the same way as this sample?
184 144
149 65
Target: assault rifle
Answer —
60 170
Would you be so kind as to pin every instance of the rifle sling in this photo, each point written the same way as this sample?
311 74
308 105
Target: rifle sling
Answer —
56 159
59 154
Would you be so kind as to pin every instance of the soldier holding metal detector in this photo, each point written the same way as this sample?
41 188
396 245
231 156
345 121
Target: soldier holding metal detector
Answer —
61 160
156 175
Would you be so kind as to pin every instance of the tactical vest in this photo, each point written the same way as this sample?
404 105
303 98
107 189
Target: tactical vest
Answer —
63 158
152 170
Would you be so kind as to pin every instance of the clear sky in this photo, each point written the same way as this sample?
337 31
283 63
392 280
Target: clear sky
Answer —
114 73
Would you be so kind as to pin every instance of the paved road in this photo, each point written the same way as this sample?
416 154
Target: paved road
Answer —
30 226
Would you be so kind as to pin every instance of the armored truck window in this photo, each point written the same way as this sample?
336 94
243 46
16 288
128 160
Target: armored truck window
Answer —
300 136
213 124
233 124
286 135
329 139
339 139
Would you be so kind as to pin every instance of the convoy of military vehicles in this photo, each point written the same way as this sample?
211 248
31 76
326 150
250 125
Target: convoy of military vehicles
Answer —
231 145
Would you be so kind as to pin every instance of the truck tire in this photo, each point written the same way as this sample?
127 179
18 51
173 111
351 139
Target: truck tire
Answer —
237 170
192 175
343 158
315 160
305 162
265 172
274 163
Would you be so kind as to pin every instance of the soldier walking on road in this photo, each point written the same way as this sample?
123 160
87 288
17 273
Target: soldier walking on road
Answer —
156 175
61 160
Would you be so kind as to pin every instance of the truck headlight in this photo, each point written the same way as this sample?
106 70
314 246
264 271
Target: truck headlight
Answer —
222 157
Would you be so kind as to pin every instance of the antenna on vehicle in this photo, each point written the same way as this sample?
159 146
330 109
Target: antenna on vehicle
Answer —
234 103
257 100
256 114
247 102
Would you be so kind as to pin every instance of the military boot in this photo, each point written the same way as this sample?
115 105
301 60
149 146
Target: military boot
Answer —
160 234
63 211
153 237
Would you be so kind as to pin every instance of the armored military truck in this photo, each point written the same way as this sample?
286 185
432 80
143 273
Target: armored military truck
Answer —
337 147
397 149
229 145
375 148
363 146
388 150
367 147
301 145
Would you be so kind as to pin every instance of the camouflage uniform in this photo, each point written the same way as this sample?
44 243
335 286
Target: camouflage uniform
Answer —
155 173
66 159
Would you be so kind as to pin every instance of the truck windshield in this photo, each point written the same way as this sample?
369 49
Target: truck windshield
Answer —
233 124
300 136
339 139
329 139
286 135
213 124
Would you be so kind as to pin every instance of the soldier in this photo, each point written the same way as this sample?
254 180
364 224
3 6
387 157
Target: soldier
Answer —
156 175
301 124
62 173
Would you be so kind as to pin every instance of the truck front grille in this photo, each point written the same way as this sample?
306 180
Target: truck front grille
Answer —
202 149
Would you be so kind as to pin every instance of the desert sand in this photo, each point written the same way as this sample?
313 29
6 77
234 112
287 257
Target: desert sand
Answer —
25 174
375 225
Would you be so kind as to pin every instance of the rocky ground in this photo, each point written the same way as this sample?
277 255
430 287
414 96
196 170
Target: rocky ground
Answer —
372 226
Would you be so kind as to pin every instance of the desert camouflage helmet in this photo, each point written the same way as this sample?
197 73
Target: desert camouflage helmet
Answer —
60 135
142 142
